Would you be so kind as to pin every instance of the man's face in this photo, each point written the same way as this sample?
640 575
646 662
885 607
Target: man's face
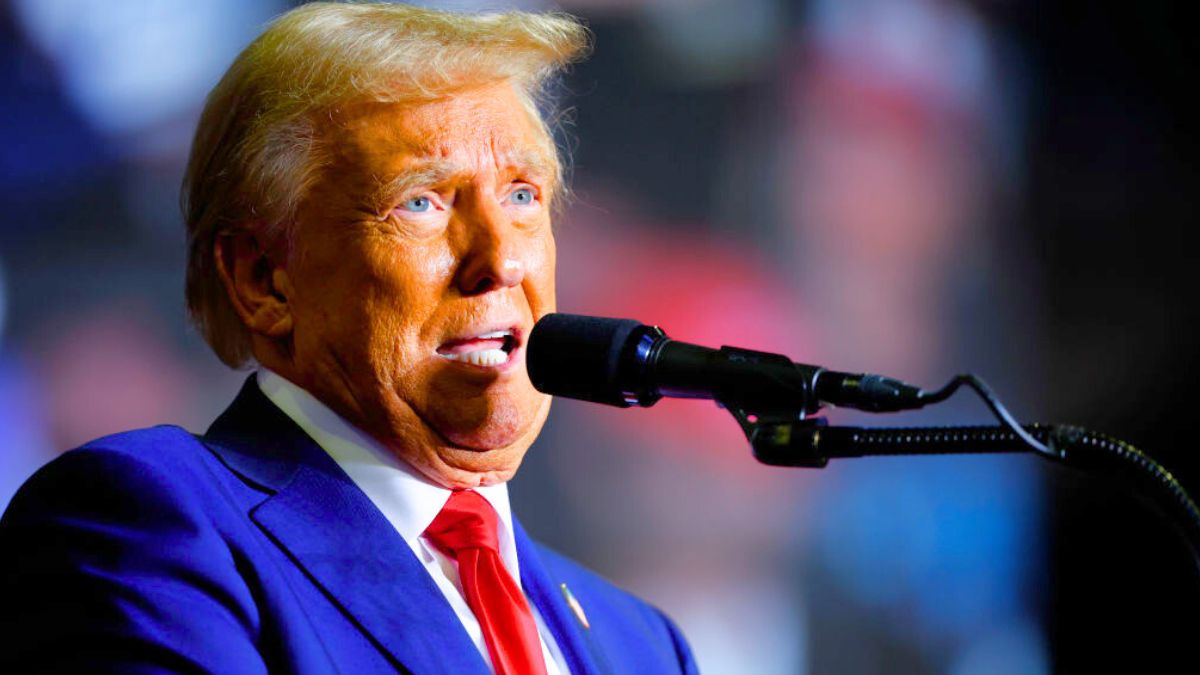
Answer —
423 256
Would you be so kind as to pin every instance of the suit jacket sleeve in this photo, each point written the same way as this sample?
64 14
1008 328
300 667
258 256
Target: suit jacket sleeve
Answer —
108 565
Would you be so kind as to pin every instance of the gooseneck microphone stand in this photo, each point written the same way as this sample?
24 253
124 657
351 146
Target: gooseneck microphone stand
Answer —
624 363
790 438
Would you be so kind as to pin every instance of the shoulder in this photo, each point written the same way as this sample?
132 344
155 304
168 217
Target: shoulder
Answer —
140 489
135 467
167 448
585 581
617 616
105 538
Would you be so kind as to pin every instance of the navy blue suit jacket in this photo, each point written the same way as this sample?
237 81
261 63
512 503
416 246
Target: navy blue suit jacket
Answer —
248 550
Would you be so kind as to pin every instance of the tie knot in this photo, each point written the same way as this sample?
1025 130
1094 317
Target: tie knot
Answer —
466 521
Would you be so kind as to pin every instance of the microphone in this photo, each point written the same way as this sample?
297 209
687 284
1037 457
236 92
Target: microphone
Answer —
622 362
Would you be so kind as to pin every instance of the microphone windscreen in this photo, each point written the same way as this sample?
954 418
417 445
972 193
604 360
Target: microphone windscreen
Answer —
579 356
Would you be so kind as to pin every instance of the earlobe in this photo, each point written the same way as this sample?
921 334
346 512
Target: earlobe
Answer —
258 288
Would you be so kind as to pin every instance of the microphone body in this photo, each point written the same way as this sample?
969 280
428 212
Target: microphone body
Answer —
622 362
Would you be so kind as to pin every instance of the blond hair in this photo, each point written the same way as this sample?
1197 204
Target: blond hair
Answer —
256 151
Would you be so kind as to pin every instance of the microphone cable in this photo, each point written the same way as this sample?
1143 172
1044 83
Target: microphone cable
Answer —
993 403
1069 445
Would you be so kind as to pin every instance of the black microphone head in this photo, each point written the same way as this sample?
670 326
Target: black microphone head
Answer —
580 356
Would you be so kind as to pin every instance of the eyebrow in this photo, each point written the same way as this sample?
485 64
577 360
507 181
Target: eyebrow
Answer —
428 172
433 171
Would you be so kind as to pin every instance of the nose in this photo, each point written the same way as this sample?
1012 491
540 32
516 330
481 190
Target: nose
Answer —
493 257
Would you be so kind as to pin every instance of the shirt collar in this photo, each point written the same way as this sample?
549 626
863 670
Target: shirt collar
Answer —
408 499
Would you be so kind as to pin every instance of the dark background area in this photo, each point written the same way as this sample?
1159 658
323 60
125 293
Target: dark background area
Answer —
1113 190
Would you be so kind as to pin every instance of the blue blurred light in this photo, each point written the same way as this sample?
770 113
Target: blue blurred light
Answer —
24 445
938 49
3 303
131 65
957 536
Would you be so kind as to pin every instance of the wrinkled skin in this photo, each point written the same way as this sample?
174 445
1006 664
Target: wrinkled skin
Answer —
380 276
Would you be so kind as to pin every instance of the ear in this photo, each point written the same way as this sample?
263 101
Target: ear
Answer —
258 286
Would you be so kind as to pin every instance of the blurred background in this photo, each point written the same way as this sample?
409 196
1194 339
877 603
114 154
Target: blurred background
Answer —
913 187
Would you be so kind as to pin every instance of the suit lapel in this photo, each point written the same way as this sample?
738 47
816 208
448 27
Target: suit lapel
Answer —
580 650
332 531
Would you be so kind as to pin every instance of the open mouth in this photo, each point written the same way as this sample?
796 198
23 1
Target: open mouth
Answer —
486 350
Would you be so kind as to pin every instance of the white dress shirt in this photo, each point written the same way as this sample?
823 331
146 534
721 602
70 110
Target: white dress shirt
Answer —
407 499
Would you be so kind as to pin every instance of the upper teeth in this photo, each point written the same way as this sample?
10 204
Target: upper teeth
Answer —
483 357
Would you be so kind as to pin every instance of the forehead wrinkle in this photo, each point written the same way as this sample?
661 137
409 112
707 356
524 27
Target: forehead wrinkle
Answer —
524 148
533 160
432 171
450 152
423 173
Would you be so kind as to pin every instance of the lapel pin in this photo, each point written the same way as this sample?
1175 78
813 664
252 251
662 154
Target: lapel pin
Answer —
575 606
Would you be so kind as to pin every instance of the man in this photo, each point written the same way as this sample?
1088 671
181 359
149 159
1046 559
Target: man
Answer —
368 210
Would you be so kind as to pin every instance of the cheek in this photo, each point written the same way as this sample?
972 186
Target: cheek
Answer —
369 300
400 291
404 284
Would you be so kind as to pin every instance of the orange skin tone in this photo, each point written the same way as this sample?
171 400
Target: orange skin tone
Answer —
377 279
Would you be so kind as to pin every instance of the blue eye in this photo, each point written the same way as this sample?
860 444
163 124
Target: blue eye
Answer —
417 204
522 197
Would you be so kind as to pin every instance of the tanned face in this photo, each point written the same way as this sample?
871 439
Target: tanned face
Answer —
421 260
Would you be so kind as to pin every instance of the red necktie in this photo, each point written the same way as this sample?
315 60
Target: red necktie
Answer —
466 531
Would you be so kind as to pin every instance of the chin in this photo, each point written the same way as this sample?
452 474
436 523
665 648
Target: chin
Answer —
484 443
488 424
487 439
459 466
